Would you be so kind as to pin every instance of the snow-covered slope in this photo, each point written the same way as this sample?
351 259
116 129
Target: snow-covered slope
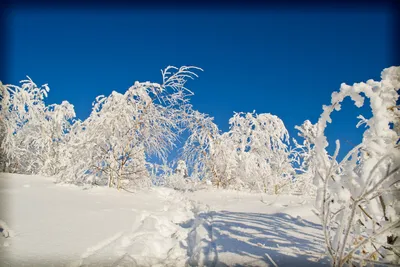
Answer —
65 225
55 224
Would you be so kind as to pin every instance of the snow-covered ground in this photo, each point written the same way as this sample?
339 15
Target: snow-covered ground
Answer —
65 225
253 230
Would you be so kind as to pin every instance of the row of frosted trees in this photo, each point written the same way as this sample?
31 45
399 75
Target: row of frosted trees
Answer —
112 146
109 147
357 198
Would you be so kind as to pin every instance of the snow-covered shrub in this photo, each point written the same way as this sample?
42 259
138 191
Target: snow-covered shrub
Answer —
179 182
181 169
123 129
254 153
32 134
178 179
302 156
358 198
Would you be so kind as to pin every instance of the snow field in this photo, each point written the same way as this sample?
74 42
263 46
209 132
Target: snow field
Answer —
64 225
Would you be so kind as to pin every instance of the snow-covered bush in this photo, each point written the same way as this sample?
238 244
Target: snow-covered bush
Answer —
181 169
358 197
181 183
111 146
32 134
254 154
178 179
302 156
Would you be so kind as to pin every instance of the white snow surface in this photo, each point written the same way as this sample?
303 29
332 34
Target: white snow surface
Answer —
48 224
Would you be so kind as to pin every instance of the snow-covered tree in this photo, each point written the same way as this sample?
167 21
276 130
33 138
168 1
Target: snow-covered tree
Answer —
4 128
358 197
58 119
302 155
31 131
261 144
253 154
111 146
199 147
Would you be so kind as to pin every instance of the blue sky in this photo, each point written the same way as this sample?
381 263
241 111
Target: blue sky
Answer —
281 61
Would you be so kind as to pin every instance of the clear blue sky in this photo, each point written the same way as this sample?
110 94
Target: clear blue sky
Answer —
285 62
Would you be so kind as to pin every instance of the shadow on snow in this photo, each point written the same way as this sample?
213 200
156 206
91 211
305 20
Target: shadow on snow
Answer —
289 241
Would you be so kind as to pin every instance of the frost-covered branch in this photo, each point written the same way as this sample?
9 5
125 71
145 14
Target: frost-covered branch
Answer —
358 198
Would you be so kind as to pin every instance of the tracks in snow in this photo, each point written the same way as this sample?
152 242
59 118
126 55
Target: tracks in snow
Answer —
179 234
201 245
